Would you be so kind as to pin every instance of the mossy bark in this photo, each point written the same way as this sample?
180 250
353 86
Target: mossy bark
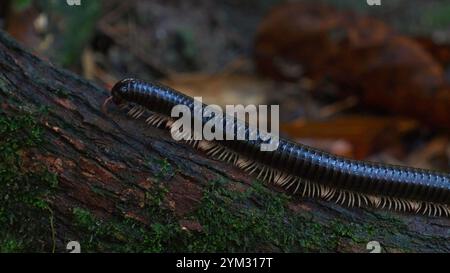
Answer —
124 186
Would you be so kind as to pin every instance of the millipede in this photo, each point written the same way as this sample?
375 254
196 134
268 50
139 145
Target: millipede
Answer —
298 168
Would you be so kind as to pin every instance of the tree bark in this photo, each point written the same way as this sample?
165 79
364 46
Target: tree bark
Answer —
109 166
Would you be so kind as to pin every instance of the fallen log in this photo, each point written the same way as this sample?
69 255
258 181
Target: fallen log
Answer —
70 172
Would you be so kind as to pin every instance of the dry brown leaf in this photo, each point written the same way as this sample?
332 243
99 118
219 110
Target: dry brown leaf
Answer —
355 136
222 89
360 54
21 25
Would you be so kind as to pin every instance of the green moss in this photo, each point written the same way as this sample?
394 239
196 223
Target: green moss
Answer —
10 244
255 220
61 93
240 221
161 168
122 234
84 218
3 85
165 168
26 219
93 229
155 199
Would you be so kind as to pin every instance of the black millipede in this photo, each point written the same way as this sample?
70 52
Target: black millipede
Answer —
302 169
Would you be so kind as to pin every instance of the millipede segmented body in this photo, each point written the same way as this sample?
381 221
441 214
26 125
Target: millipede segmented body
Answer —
302 169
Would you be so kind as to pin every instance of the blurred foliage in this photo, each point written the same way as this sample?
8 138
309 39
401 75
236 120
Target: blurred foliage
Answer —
437 16
411 16
76 26
19 5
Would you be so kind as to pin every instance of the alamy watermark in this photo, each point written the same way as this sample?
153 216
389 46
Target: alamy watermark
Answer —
374 247
210 123
373 2
73 2
74 247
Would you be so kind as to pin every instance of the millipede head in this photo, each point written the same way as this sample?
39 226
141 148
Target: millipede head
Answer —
119 91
